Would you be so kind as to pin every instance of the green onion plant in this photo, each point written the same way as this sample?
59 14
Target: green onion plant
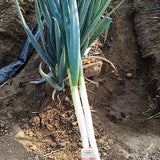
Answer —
69 27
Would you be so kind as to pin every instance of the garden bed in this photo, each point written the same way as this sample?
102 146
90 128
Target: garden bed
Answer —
124 104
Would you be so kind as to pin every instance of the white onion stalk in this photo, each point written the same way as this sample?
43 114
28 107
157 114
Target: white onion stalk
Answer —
87 113
80 115
79 112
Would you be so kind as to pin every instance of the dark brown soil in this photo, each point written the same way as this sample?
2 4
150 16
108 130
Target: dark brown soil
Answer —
125 105
146 20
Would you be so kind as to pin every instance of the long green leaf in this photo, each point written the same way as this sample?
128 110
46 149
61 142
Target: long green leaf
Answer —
66 21
49 79
114 9
53 7
96 7
95 20
50 32
89 13
40 25
74 53
100 29
57 40
83 13
106 32
62 69
84 47
31 37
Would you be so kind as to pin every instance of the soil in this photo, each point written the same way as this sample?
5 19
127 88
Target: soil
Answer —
124 104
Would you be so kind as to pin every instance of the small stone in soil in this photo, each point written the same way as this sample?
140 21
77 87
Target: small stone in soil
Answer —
129 75
104 154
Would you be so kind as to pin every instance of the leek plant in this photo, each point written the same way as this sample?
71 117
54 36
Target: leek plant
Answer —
68 28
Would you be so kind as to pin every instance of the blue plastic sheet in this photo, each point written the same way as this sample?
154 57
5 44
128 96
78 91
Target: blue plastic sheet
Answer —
26 52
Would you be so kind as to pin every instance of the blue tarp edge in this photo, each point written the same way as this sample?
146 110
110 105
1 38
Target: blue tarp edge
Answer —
10 70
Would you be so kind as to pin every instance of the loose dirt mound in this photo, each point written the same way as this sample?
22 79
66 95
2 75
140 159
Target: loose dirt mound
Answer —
146 20
121 103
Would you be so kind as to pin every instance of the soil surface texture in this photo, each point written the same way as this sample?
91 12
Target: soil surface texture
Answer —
125 104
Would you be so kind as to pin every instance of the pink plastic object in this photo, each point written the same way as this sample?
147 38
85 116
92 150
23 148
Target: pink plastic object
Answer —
88 154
